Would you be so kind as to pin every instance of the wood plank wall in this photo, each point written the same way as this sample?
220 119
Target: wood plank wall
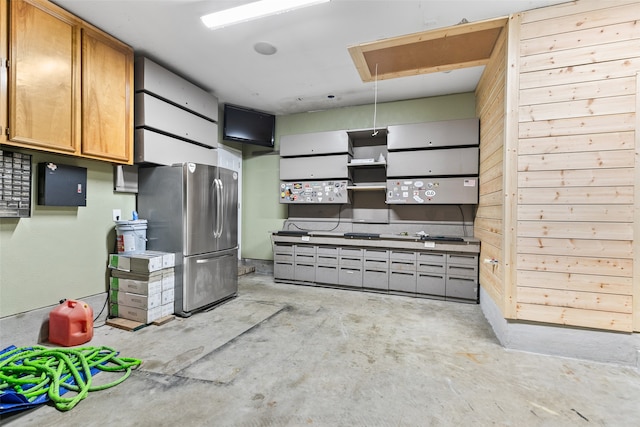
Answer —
577 161
489 221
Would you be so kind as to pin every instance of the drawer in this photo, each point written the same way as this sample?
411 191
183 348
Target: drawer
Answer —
345 261
305 249
348 276
327 274
283 248
431 267
461 288
402 281
432 257
286 257
462 259
305 258
376 254
402 266
431 284
351 252
304 272
375 279
283 270
326 260
470 271
376 264
327 250
402 255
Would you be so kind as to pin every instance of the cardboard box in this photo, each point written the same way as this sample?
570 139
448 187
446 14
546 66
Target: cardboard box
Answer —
168 296
168 280
166 309
168 258
137 314
138 263
145 302
143 287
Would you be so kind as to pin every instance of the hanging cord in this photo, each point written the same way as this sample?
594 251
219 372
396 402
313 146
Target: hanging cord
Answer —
35 371
464 228
375 102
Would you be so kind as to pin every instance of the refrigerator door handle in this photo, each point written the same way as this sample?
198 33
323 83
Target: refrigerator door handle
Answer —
221 202
214 196
212 259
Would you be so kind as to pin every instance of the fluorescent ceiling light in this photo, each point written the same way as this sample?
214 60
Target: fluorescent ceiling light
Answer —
255 10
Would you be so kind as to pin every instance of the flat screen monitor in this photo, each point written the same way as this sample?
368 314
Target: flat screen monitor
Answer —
248 126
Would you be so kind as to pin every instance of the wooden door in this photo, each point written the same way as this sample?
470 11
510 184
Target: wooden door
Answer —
107 101
43 71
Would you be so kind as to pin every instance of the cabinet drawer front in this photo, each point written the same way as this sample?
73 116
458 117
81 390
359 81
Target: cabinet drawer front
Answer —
351 252
350 277
375 279
402 281
286 257
455 161
327 250
376 254
314 143
432 257
431 284
305 258
427 267
314 167
402 255
283 270
462 270
403 266
376 264
446 133
304 272
462 259
305 249
282 248
350 261
327 274
461 288
153 113
326 260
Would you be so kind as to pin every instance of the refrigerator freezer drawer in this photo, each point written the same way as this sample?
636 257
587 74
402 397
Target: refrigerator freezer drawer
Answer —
208 279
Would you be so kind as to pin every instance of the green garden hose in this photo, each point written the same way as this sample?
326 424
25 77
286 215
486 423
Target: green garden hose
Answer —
35 371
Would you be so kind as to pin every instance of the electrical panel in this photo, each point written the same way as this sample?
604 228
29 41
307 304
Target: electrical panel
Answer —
61 185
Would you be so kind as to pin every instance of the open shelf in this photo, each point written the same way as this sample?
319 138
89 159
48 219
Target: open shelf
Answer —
368 187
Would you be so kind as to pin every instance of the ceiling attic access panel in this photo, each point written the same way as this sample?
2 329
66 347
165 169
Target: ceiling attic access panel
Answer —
444 49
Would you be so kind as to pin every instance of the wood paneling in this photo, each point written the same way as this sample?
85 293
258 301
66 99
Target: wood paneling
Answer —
577 165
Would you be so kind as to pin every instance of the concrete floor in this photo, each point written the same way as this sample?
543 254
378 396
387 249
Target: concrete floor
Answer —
285 355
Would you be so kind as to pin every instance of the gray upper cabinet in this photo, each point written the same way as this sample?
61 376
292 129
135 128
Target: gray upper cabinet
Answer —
162 83
309 144
454 161
314 167
447 133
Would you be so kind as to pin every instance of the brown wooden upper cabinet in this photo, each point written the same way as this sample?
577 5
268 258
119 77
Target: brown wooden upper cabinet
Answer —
70 85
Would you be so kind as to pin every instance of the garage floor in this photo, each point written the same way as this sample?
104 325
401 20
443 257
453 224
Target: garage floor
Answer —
285 355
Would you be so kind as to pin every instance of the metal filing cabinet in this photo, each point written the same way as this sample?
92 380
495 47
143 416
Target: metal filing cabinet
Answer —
462 277
350 267
402 271
431 278
283 261
376 269
327 264
304 265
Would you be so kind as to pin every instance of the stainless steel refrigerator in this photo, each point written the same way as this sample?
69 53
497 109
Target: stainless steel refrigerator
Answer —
191 210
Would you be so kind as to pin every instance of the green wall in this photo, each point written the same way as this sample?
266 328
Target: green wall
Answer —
60 252
262 213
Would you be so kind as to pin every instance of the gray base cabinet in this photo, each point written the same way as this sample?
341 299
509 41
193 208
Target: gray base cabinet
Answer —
425 273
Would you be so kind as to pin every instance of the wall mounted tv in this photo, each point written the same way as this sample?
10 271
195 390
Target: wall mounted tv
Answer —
248 126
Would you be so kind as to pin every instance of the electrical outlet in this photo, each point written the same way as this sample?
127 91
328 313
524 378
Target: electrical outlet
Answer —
117 215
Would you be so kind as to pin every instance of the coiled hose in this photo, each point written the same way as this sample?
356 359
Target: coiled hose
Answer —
35 371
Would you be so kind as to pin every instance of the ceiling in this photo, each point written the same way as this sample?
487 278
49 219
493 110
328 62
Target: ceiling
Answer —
312 68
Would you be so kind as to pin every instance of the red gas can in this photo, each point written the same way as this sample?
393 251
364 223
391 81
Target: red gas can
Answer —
71 323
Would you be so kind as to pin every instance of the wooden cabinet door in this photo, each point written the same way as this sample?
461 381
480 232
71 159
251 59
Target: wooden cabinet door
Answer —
43 77
107 101
4 49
